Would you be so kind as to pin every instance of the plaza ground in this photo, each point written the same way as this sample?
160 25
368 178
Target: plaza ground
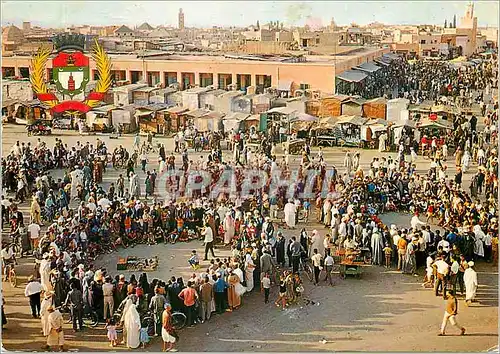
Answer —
382 311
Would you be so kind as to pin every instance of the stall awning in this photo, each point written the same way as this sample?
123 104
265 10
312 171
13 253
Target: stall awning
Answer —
379 61
284 85
236 116
177 110
197 113
356 120
104 109
282 110
439 123
352 76
369 67
8 102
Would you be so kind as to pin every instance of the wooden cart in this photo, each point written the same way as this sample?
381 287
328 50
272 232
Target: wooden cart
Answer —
351 268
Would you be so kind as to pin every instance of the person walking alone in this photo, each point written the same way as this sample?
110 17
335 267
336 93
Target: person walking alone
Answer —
33 291
450 314
316 261
209 241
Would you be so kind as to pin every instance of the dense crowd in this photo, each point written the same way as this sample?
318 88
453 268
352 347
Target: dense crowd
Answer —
242 217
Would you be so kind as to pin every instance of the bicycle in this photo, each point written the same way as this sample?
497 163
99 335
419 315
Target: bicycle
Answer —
17 246
305 265
179 320
90 317
10 275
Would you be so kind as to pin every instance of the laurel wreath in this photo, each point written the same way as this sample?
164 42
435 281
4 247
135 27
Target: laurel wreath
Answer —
39 62
103 65
37 77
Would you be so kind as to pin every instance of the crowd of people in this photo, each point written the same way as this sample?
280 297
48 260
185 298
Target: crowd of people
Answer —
84 219
420 80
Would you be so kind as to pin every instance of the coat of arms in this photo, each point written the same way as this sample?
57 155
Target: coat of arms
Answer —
71 74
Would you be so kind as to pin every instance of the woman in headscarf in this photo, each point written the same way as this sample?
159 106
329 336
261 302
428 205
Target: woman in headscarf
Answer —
143 283
132 323
44 313
228 228
235 289
249 269
478 243
470 280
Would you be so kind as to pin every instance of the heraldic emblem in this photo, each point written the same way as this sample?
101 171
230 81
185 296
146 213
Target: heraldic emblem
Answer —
71 74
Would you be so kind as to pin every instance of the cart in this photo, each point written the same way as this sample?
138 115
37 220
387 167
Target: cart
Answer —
294 146
351 268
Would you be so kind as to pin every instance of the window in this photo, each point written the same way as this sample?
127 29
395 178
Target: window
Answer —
422 41
305 86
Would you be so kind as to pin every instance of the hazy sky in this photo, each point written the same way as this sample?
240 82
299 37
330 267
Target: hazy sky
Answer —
240 13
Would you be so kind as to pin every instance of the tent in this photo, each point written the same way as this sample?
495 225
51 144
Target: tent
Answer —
352 76
331 106
438 123
234 121
353 106
304 117
368 67
375 108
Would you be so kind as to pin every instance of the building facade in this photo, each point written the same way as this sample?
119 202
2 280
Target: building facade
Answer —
317 73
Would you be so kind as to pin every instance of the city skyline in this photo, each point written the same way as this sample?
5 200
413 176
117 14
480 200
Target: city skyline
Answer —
63 14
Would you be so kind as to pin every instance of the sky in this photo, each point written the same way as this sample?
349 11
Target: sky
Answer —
240 13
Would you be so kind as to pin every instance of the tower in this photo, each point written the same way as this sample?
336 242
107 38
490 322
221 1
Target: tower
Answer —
181 19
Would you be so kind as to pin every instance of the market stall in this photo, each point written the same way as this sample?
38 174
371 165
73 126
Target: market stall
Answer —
99 119
123 119
375 108
353 106
371 131
322 132
9 110
302 124
177 118
348 130
234 121
331 106
151 118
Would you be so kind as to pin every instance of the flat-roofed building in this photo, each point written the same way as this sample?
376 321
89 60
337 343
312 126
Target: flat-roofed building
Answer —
219 71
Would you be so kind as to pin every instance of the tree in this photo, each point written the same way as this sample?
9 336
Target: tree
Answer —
445 24
454 21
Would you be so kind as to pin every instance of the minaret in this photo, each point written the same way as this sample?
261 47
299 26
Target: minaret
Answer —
71 83
181 19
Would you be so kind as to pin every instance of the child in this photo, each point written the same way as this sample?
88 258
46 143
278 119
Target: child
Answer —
266 286
429 273
194 261
282 294
143 335
387 251
112 336
307 208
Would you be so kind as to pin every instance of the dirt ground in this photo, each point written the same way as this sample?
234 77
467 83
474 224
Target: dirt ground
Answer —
382 311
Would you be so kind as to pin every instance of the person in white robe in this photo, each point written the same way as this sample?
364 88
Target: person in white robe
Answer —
76 180
348 163
317 242
228 228
290 210
249 269
45 273
479 244
134 188
470 280
239 289
55 324
132 322
465 161
44 313
382 142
